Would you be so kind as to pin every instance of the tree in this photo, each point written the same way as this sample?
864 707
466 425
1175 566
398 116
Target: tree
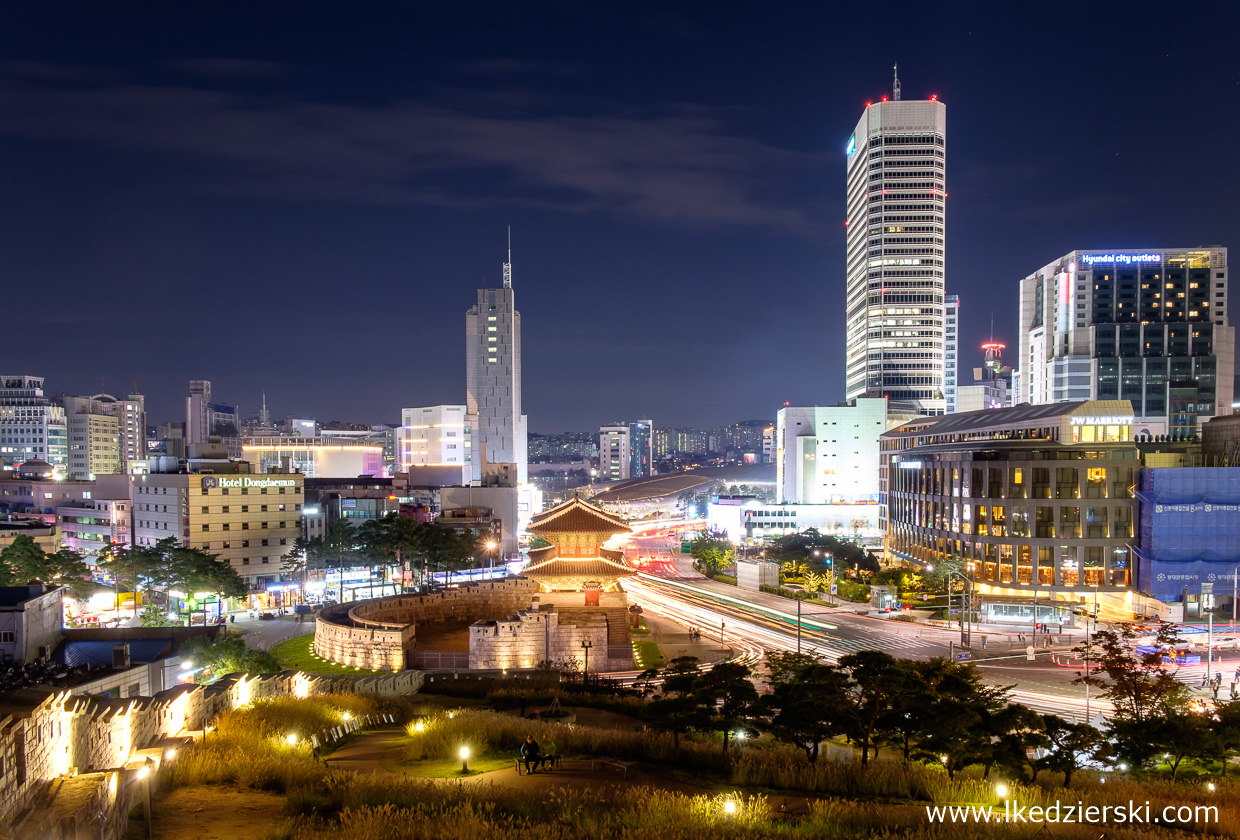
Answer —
805 705
1139 685
1225 726
712 553
675 710
1071 745
868 694
213 659
195 570
959 722
130 567
1150 703
726 698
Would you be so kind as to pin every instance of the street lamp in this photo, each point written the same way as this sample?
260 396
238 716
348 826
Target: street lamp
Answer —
491 544
586 644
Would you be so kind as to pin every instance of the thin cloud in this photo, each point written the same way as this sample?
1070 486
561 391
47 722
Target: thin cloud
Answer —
230 69
680 168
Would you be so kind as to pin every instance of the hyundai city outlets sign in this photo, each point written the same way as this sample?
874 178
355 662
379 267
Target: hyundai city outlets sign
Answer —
1120 259
245 481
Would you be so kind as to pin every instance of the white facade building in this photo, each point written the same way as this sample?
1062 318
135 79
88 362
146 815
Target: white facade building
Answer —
314 457
32 427
493 379
895 255
951 344
1147 326
435 436
829 454
747 518
198 410
107 435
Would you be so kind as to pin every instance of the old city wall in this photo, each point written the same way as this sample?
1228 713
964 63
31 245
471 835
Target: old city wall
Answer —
377 634
49 736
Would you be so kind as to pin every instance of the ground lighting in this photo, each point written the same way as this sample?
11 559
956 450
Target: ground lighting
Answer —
464 759
292 739
729 807
419 726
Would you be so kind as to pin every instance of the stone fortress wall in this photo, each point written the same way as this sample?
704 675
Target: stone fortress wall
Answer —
377 634
54 745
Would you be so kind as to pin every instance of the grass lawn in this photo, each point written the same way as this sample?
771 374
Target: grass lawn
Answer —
647 655
641 629
450 768
297 653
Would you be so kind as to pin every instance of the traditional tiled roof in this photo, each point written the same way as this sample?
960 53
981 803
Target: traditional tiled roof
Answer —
541 555
583 568
576 516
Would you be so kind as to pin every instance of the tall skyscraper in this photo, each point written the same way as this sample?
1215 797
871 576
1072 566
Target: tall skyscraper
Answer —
198 410
1147 326
895 254
493 378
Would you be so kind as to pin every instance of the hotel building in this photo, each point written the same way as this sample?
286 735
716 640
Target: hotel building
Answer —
1147 326
896 207
1028 502
249 520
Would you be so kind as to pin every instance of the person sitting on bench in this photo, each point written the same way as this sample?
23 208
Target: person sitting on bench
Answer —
546 751
529 752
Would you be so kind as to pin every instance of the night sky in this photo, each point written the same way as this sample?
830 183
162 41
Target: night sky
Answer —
302 198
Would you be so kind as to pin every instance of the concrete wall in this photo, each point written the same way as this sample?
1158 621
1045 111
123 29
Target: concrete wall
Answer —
49 734
35 623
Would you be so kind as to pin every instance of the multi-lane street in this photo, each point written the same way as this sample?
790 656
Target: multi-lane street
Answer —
751 622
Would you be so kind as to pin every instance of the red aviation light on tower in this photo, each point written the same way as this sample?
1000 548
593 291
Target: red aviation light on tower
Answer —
991 346
934 97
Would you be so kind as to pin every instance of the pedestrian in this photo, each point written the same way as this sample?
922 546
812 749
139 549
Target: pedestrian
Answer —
546 752
529 753
1203 680
232 618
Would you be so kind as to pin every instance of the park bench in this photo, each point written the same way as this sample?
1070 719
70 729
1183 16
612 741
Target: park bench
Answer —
615 763
519 762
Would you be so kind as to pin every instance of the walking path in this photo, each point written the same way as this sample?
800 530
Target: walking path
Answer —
374 752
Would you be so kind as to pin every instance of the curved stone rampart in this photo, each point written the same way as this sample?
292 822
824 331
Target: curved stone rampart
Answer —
376 634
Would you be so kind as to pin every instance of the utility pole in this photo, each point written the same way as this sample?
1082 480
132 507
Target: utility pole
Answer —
721 626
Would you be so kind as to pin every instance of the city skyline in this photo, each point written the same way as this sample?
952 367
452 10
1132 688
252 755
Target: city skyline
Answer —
681 212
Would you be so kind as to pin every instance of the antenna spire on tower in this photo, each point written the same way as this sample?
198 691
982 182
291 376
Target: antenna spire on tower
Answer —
508 265
895 83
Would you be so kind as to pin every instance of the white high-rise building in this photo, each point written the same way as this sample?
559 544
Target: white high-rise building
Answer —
897 192
198 409
493 379
951 341
435 436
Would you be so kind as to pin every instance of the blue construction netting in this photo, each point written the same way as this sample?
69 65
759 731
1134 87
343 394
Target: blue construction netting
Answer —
1190 530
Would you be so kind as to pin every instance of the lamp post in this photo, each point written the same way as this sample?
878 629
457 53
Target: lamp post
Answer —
586 644
144 773
491 555
1235 579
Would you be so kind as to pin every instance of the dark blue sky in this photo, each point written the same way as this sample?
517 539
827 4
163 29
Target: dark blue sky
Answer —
302 198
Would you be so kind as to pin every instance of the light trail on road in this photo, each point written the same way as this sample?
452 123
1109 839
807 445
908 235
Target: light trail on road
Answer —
759 629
